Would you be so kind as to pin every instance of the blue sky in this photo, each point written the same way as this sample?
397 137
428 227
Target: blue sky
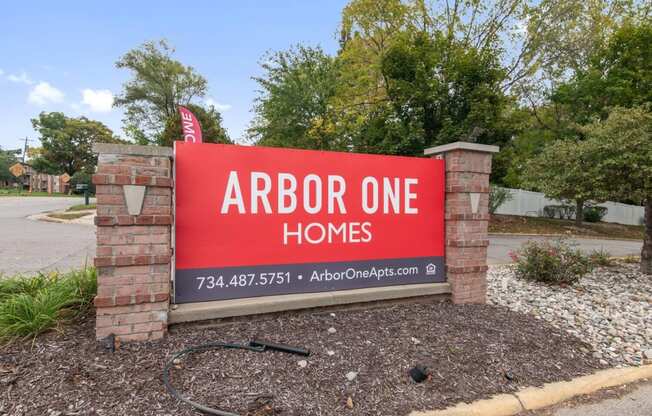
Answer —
60 56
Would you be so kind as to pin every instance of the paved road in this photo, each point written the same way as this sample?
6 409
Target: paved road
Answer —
28 246
636 403
500 246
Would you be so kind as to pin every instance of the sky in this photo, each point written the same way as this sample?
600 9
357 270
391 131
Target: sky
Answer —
60 55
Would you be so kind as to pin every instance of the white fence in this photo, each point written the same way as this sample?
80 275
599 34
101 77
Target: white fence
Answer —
531 204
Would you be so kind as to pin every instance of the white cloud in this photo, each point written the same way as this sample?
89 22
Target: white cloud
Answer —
99 101
44 93
20 78
1 71
218 106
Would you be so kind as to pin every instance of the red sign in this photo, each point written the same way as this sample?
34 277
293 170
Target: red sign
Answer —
254 221
190 126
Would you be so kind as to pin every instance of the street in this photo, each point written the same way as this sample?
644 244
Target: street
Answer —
28 246
501 245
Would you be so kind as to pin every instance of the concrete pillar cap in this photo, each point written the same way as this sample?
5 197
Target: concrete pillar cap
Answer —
474 147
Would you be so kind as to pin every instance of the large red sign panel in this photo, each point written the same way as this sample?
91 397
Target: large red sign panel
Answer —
257 221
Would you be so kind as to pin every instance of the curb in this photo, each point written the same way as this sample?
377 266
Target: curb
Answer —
43 216
577 237
532 398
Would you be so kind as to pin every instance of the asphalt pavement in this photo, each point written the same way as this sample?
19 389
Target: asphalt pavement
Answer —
28 246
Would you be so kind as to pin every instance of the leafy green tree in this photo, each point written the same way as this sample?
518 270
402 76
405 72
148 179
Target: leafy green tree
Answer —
413 77
293 108
620 74
7 159
620 151
67 143
562 171
211 126
446 90
159 84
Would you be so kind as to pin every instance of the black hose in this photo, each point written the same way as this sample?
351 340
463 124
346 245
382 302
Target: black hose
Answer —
202 348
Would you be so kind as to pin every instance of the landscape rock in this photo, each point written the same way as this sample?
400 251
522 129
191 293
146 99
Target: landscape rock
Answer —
609 309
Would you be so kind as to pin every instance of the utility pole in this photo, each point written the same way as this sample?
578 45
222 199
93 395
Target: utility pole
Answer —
25 148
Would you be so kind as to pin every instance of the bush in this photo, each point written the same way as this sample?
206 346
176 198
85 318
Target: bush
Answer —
594 213
563 212
555 262
601 258
79 178
497 197
32 305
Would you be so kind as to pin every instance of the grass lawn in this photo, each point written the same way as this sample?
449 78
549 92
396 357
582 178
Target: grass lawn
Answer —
68 215
12 192
81 207
536 225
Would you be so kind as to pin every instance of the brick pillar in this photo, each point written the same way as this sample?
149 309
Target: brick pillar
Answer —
134 217
468 166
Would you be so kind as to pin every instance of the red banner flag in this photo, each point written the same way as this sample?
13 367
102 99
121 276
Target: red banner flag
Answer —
190 126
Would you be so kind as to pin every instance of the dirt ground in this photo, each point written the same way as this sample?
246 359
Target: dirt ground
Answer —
471 351
538 225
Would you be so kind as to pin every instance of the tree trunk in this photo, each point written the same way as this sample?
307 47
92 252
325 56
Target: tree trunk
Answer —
646 252
579 212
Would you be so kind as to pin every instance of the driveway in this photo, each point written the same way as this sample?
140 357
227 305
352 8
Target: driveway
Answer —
501 245
28 246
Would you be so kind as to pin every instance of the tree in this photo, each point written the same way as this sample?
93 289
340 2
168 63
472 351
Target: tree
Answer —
211 126
563 36
159 85
7 159
293 108
67 143
446 90
620 151
562 171
619 74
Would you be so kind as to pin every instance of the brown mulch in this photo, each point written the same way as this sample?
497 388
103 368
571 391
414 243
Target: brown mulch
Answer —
469 350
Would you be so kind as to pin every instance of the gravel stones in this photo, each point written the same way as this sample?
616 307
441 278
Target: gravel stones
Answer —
351 375
610 309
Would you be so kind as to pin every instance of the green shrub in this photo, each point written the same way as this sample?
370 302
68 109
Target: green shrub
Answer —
32 305
555 262
497 197
79 178
563 212
594 213
601 258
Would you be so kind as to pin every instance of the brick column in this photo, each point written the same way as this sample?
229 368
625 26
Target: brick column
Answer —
468 166
134 217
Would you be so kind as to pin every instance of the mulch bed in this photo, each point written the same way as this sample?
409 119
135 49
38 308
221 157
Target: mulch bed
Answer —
468 348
